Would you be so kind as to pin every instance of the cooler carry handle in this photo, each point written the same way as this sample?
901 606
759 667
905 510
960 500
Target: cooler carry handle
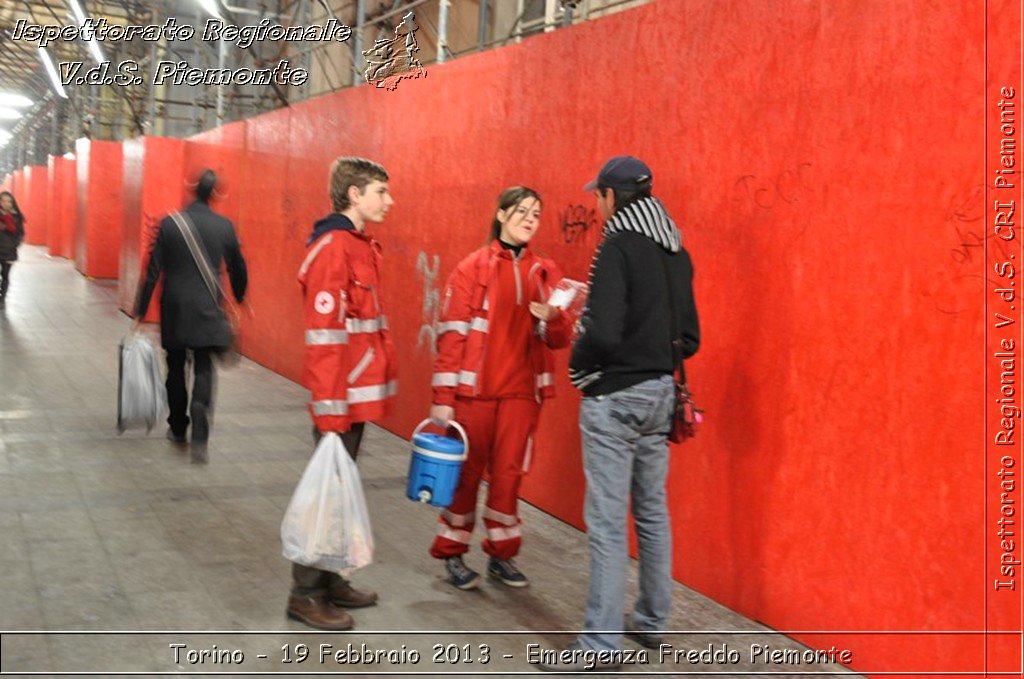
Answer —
451 423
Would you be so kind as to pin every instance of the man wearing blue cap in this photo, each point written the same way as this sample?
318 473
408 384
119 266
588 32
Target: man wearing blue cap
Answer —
639 322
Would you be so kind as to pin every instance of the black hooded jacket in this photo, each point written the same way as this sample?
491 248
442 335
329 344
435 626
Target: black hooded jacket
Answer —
626 329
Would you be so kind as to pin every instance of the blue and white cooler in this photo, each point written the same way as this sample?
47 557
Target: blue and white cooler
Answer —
435 465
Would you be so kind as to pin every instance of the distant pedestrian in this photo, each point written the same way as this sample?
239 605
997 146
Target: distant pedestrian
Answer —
12 232
191 320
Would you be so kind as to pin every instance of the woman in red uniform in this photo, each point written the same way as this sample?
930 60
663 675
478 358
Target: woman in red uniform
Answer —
493 370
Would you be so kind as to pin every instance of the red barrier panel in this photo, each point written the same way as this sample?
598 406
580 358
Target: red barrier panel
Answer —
827 491
54 191
61 194
69 205
36 192
153 168
100 215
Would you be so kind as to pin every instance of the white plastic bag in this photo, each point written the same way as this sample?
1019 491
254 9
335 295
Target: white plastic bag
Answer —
141 397
327 525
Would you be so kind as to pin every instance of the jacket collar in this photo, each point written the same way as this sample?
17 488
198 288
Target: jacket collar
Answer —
648 217
495 250
332 222
197 206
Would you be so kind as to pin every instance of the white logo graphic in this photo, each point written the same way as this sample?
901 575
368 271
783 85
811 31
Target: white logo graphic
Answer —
324 302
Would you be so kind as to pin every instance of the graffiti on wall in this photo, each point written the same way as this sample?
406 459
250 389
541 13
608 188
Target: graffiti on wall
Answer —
431 301
576 221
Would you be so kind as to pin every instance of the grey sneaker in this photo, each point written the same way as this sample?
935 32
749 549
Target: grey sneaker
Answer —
459 574
506 571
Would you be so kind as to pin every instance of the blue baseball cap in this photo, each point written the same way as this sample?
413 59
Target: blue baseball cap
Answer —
625 173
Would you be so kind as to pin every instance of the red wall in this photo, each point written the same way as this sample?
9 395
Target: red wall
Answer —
100 215
35 204
823 161
825 493
61 194
69 205
153 168
54 191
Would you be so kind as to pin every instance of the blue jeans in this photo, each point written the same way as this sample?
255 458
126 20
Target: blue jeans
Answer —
625 456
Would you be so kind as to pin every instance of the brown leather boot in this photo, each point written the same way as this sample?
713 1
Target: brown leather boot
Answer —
342 593
317 612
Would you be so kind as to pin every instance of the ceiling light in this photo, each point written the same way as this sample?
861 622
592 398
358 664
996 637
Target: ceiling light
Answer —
11 99
77 9
52 72
5 137
210 7
93 47
7 113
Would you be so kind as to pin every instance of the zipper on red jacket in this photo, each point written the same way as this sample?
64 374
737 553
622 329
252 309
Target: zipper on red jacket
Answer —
519 283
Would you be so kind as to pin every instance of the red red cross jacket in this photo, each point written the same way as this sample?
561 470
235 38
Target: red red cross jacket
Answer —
349 363
462 335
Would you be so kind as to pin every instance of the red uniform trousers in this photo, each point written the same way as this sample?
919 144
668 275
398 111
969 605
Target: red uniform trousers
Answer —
500 433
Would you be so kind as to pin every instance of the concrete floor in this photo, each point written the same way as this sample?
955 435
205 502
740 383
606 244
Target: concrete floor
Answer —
110 541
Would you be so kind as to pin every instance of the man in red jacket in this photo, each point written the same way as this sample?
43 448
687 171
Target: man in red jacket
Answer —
349 362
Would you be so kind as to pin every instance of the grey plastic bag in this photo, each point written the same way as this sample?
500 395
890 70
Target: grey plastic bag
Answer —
141 397
327 525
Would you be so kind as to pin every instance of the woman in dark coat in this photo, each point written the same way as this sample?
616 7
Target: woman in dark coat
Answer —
191 320
12 231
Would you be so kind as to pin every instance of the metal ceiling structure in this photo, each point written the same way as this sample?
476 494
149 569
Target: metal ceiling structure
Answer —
446 29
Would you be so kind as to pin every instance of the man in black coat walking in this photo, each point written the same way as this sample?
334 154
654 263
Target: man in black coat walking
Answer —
190 318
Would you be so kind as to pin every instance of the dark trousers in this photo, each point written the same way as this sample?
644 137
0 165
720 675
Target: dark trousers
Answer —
309 581
202 392
5 277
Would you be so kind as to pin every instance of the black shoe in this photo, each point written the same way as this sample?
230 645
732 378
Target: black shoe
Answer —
651 640
459 574
506 571
580 659
177 440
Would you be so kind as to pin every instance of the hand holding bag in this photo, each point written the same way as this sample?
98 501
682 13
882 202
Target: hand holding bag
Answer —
327 524
141 397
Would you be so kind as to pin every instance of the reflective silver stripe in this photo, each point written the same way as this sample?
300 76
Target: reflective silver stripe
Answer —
479 324
458 520
374 392
361 367
507 519
528 458
454 534
542 330
315 337
461 327
545 380
330 407
499 534
357 325
314 252
445 380
467 377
